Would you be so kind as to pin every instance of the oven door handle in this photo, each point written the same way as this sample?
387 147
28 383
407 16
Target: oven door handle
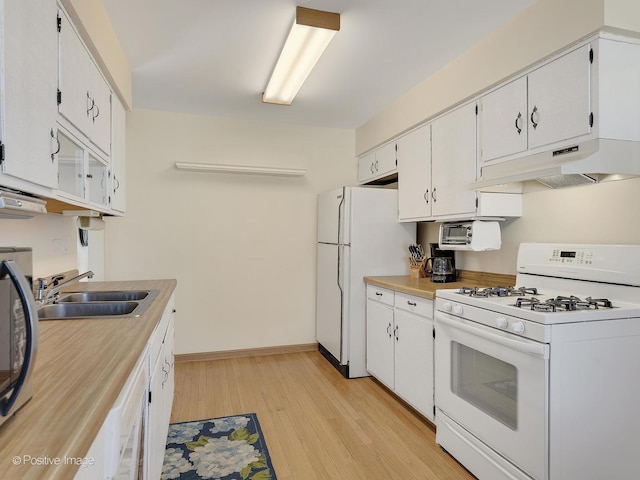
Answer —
31 323
515 343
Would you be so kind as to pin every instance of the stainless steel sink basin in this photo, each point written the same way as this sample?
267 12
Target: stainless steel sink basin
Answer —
116 296
97 304
80 310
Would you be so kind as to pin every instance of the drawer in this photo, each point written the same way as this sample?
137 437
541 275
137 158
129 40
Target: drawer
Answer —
417 305
380 294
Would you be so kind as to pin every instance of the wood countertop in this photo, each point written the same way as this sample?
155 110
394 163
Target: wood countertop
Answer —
81 366
425 288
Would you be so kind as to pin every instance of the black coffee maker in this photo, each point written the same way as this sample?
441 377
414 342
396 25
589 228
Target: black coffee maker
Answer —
441 265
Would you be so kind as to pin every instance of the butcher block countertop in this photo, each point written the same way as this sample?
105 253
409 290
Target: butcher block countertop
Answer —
81 366
425 288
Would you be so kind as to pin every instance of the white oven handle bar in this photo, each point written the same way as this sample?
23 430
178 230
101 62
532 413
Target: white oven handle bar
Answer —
515 343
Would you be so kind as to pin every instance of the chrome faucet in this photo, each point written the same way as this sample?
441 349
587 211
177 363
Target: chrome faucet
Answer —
45 292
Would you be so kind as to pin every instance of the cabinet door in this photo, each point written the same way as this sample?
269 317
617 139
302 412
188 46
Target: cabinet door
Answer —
30 90
118 157
453 162
414 360
502 121
366 167
168 384
75 98
559 99
414 174
380 342
156 434
100 114
386 159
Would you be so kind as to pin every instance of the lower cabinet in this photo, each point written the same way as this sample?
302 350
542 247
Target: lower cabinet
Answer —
400 345
132 440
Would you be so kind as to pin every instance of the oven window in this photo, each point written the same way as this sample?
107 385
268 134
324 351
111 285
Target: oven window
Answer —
485 382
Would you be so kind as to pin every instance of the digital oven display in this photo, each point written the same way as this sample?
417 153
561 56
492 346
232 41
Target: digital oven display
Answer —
568 254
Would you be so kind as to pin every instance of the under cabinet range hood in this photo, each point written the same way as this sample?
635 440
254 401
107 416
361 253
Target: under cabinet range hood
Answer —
17 205
582 163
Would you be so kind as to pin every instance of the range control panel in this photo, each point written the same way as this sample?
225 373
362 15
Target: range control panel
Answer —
572 257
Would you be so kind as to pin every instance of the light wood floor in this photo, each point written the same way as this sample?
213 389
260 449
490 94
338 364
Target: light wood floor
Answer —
317 424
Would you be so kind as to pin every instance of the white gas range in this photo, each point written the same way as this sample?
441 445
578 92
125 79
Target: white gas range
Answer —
539 380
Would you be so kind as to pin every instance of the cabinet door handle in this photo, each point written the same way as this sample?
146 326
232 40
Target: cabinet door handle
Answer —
378 294
117 185
376 166
55 137
518 121
426 196
389 330
433 195
395 333
534 112
90 103
97 113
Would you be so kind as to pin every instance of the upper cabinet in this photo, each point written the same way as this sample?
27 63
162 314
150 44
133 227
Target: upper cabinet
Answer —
84 96
549 105
29 82
378 166
414 174
453 162
118 158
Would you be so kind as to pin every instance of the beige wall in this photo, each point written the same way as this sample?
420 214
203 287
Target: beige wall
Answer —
54 240
544 28
242 247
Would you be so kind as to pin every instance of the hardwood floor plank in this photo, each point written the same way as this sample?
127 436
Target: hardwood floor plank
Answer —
317 424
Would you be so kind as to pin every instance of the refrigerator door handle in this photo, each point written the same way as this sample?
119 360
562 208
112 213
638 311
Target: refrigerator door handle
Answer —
339 282
340 208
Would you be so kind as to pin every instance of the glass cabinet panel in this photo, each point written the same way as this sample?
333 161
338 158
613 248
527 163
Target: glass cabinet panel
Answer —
70 166
96 181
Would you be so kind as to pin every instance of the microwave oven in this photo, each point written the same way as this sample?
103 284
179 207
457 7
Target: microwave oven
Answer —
475 235
18 329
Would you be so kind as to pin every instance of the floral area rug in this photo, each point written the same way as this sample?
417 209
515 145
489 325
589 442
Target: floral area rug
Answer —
226 448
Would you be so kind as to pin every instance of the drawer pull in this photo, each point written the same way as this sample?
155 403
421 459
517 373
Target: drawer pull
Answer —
378 294
413 304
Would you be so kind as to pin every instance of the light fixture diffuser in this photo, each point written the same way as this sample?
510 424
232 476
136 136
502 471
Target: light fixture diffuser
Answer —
309 36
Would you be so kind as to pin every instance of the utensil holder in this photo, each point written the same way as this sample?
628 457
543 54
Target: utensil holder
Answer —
417 271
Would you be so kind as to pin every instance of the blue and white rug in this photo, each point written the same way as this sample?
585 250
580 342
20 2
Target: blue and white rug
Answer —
225 448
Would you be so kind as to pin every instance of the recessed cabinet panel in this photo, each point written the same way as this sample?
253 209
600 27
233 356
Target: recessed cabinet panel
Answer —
559 99
502 121
366 167
96 180
29 47
414 174
380 356
100 114
118 158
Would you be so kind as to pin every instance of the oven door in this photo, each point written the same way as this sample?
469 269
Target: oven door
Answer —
494 385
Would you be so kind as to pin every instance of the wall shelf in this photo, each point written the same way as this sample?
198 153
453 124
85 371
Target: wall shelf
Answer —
241 169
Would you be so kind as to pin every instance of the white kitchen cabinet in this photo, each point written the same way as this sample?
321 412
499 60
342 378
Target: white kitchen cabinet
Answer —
414 174
29 73
559 99
380 348
453 163
502 121
118 158
379 164
413 332
551 104
400 345
85 97
82 174
161 386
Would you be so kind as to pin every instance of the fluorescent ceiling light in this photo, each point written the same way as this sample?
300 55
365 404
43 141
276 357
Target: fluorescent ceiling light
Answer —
309 36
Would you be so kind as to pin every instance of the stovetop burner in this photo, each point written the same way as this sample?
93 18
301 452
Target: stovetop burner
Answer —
561 303
497 291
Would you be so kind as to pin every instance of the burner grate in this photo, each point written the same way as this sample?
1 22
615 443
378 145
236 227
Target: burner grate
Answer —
562 303
497 291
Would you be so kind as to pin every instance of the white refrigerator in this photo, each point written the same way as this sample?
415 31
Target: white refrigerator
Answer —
358 235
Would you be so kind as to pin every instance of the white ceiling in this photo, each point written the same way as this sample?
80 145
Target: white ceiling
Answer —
215 57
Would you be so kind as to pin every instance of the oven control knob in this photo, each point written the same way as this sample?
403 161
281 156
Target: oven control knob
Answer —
446 306
457 309
502 322
518 327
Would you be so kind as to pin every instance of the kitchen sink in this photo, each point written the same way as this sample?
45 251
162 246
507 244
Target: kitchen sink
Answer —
119 303
117 296
79 310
